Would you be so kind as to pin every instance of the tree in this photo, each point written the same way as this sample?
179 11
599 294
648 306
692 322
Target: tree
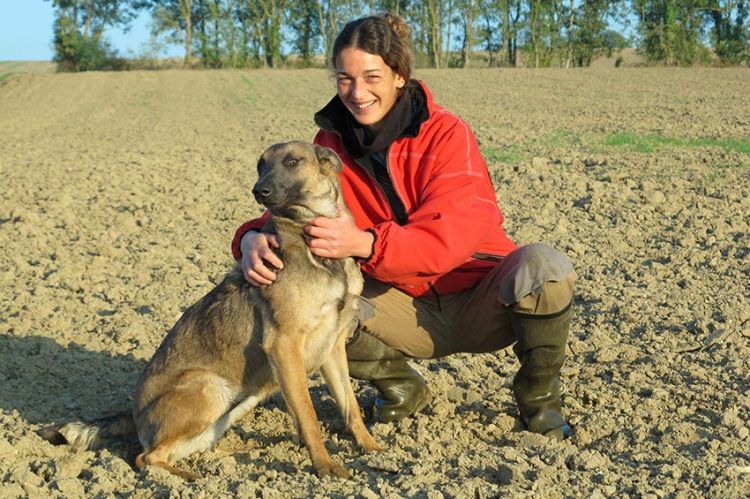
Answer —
432 21
670 29
590 30
511 16
269 16
545 19
79 26
303 21
489 28
730 34
176 18
469 12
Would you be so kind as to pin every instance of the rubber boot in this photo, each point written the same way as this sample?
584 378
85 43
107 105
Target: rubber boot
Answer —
403 390
540 347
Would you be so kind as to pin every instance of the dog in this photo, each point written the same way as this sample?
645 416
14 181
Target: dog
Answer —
240 343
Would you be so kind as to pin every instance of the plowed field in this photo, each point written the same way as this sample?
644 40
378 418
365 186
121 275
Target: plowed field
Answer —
121 192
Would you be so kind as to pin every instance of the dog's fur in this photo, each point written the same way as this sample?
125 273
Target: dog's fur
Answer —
241 343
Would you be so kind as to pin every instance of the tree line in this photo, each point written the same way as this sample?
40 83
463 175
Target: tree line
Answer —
446 33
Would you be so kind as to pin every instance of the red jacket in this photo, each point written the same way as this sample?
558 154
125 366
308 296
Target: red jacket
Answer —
454 221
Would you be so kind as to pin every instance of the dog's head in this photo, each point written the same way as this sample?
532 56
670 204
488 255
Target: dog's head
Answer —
298 180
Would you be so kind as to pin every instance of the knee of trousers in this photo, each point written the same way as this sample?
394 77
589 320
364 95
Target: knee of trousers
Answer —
538 280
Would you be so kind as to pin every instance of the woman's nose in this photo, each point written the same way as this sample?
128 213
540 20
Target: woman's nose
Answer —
358 89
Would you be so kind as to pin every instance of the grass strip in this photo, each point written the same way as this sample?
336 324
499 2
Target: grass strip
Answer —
494 155
648 143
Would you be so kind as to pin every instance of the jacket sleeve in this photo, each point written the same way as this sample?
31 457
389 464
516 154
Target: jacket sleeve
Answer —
455 213
255 224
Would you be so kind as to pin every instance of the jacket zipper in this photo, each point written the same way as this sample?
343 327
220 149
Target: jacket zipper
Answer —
388 169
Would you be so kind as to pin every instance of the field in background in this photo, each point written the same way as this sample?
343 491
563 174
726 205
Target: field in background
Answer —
122 191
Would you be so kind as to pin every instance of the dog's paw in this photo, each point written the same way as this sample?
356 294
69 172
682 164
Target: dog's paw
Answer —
369 444
331 468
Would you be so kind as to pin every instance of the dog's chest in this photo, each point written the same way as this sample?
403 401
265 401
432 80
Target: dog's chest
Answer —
313 298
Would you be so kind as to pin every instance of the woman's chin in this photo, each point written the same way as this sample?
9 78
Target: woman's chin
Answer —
367 118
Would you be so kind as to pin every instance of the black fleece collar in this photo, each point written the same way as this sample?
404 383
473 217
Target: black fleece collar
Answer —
403 120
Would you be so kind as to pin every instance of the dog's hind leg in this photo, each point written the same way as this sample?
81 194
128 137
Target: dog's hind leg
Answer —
161 457
285 353
236 413
190 416
336 373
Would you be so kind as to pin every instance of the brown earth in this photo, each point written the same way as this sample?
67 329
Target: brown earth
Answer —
122 191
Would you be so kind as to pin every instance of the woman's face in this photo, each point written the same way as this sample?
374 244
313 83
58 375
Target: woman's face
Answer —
366 85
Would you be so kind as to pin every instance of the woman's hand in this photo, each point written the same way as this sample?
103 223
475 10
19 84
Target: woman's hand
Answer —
256 253
338 238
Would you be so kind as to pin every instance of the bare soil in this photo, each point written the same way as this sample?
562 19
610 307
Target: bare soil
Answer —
121 192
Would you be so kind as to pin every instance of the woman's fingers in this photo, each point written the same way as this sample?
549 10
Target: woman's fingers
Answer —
268 256
256 280
257 256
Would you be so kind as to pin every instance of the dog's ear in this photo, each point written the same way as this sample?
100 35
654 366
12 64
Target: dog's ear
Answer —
328 159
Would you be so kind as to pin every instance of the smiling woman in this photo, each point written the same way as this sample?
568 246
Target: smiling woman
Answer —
372 63
441 276
366 85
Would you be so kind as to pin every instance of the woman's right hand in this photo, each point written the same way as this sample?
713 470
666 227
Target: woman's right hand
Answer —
256 253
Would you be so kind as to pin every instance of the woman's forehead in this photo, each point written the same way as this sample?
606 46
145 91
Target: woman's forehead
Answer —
353 60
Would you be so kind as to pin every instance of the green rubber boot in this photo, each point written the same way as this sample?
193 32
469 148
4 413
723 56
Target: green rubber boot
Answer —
403 390
540 347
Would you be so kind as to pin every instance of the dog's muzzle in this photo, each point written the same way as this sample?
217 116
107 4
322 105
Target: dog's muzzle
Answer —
262 194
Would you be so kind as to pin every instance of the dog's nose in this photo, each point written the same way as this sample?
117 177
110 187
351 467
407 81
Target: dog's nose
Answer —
261 192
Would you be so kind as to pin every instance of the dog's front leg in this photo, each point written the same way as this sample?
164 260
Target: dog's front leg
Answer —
336 373
285 355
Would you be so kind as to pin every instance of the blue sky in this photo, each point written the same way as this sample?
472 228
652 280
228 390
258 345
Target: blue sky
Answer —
26 33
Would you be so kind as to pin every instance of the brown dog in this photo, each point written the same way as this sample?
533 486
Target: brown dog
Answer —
239 343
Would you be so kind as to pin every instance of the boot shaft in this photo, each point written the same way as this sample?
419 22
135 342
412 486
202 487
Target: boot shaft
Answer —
540 348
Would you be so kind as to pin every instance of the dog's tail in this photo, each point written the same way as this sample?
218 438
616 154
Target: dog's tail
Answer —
82 435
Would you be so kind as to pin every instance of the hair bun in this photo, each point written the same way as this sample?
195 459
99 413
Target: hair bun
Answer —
398 25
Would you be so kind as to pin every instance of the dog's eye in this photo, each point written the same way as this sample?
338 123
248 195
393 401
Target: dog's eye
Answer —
291 162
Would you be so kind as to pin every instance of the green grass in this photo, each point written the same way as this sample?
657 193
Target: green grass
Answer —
561 137
649 143
628 141
735 145
509 156
4 77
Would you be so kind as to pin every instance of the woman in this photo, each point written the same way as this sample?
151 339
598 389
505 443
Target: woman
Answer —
440 272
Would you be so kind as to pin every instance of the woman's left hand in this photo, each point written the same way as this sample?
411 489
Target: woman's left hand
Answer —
338 237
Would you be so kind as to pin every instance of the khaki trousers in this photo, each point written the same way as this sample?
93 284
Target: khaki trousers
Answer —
534 279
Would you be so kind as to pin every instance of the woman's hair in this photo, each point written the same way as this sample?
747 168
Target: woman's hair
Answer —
385 35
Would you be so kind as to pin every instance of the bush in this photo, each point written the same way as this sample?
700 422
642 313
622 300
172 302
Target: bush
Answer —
77 52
